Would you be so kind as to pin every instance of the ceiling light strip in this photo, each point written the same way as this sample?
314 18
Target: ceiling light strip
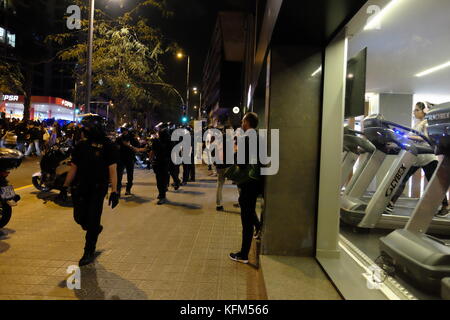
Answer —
432 70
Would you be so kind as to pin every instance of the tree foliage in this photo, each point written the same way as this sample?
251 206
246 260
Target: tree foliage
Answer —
12 79
126 56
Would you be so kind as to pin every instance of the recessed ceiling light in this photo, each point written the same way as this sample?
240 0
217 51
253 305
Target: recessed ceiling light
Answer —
376 20
434 69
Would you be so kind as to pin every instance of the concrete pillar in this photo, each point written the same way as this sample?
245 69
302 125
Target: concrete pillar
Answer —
295 108
335 70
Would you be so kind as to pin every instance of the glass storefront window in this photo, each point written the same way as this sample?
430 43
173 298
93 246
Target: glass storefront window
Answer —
406 67
2 35
11 39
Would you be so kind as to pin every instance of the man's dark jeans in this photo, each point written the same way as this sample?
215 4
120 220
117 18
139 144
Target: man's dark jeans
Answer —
248 194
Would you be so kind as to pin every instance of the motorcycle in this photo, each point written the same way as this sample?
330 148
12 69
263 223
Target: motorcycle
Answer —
9 159
55 164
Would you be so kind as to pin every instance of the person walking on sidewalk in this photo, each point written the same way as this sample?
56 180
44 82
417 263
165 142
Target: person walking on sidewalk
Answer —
94 165
249 189
221 168
160 154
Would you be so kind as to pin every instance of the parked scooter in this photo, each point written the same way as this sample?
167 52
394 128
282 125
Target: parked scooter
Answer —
9 159
55 164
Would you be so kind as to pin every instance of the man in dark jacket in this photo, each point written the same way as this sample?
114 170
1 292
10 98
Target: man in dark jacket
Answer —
160 150
248 194
93 167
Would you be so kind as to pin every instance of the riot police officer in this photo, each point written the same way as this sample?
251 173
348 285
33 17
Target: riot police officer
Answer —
93 166
128 145
160 150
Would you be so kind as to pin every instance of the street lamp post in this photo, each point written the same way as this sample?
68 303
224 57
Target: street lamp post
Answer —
180 56
187 82
89 57
75 99
200 107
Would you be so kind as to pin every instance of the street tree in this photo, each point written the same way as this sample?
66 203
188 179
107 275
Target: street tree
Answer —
127 52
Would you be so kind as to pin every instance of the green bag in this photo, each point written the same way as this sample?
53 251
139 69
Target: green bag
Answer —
243 174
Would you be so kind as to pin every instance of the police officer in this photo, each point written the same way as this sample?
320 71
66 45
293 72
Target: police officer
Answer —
128 146
160 150
94 162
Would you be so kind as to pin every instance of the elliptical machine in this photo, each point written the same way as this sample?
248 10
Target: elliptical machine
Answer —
9 159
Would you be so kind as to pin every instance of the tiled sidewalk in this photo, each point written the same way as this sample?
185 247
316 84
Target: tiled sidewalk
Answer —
176 251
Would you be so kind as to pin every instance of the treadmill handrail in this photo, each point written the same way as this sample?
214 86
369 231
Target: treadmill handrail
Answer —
391 133
393 124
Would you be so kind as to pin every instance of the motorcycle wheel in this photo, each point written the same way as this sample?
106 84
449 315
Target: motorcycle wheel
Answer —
38 184
5 215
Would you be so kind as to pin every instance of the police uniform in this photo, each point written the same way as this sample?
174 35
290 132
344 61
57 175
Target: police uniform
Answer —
161 148
92 159
126 160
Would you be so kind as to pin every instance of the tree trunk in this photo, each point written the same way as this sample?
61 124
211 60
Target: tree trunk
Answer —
28 92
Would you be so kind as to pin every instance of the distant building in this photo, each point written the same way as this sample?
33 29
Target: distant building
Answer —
224 69
54 78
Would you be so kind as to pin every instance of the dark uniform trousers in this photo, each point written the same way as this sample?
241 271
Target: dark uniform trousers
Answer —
174 173
121 166
88 208
186 172
162 175
248 194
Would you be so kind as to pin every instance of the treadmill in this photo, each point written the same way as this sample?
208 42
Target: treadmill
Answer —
426 259
355 143
356 146
389 139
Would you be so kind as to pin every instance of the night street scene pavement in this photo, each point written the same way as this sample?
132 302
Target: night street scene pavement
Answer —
218 158
146 252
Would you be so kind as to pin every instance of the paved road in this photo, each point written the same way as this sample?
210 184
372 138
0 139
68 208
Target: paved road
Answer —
21 177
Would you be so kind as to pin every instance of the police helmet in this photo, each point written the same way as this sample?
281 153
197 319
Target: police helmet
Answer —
94 126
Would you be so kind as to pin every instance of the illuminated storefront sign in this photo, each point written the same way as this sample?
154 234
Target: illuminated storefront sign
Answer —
10 98
42 107
67 104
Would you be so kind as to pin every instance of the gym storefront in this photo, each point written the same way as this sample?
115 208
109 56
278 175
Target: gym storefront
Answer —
310 78
391 56
41 108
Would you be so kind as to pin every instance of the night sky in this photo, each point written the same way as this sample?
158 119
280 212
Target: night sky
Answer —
191 27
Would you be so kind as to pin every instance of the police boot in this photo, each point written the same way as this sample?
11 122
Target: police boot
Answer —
87 258
128 192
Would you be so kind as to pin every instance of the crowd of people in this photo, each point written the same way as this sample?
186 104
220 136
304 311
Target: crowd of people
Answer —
100 158
30 137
